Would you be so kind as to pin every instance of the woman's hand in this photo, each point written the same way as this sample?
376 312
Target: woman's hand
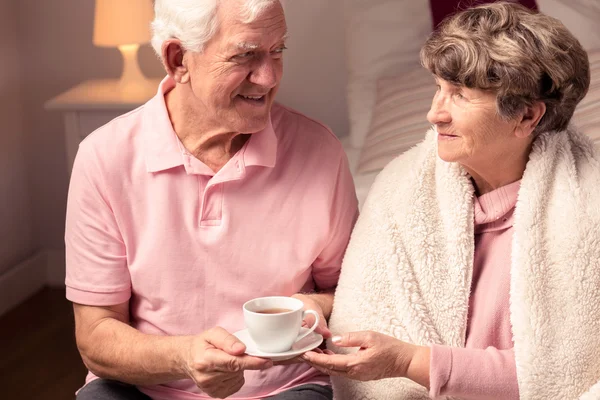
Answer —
380 356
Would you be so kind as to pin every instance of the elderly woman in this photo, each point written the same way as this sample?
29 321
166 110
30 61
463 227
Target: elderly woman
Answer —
474 270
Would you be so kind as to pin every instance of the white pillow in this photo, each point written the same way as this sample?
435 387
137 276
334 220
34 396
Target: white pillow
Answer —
399 118
579 16
383 38
587 113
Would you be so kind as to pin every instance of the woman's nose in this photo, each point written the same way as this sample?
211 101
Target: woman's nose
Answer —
438 113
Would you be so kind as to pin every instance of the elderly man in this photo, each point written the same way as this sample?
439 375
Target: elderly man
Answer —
205 197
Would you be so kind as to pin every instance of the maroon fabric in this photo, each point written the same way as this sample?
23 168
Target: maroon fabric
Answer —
442 8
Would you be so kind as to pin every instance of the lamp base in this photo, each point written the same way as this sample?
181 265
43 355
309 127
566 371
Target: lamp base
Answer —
132 81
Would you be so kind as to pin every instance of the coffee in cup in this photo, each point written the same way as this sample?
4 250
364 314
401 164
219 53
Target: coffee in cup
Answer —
274 311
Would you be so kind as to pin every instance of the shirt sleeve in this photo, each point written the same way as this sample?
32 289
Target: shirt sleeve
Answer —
96 266
343 216
473 373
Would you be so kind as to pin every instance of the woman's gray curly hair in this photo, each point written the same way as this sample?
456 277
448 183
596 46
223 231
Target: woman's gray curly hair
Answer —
521 55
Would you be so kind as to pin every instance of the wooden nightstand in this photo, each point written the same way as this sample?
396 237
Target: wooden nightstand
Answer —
91 104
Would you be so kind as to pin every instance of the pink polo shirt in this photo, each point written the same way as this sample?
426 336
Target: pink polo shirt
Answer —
149 223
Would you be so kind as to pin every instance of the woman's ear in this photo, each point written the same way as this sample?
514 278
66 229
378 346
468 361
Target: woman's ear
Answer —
530 119
173 56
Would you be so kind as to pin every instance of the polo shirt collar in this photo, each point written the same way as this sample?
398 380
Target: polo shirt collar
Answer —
163 149
261 148
161 143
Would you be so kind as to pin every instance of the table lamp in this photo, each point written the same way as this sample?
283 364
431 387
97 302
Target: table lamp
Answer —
124 24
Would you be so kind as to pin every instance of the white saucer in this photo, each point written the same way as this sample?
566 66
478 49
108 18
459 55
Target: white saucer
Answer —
311 341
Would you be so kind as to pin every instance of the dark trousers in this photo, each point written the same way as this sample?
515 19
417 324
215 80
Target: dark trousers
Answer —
103 389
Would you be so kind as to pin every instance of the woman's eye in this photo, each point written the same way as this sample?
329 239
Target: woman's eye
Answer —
459 96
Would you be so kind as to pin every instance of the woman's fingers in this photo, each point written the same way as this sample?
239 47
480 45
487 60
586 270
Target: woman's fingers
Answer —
295 360
327 371
332 362
355 339
379 356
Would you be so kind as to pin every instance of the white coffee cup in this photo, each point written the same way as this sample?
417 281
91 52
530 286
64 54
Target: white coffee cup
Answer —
274 322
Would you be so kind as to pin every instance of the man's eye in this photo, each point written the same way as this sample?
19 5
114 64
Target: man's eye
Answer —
278 52
245 55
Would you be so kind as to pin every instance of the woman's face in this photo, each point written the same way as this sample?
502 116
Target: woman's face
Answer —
470 131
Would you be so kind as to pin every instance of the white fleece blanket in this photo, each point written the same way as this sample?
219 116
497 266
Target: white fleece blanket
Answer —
407 271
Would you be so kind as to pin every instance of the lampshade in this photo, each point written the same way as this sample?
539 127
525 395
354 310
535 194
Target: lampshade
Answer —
122 22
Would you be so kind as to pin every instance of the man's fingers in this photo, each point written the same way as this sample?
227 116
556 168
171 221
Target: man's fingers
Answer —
321 328
223 340
231 385
309 320
224 386
226 363
254 363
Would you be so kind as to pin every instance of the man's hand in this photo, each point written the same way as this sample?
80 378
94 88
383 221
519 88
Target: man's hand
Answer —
216 363
316 302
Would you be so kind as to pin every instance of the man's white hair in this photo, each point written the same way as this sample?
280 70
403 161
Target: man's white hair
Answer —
194 22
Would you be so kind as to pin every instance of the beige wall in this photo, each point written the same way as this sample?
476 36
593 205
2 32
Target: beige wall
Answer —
16 238
56 38
314 80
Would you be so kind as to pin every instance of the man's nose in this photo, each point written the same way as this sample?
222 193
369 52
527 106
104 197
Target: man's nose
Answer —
266 73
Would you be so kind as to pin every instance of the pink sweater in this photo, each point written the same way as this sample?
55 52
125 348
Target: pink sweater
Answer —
485 368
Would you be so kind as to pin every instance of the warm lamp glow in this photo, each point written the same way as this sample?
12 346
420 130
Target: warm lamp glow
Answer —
124 24
118 22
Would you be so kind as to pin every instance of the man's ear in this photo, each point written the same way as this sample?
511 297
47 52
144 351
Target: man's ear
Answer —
530 119
173 57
